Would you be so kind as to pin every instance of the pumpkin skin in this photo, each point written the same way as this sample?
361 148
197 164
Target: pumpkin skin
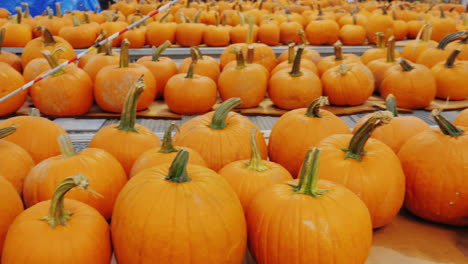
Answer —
157 33
10 207
89 230
221 230
103 171
414 48
451 78
7 57
205 66
379 22
314 217
353 34
15 162
189 34
331 61
11 80
442 26
100 60
320 32
37 135
80 35
435 163
375 175
309 126
214 144
462 119
216 36
269 33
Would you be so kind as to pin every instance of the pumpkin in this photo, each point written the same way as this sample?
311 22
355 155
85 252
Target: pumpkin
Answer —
414 48
433 55
80 35
48 42
134 138
165 154
239 33
288 64
101 168
246 81
112 26
348 84
217 35
289 31
414 86
38 66
15 162
17 34
205 66
11 80
434 162
100 49
67 92
400 27
461 119
353 18
366 166
189 34
189 192
161 31
66 226
4 13
113 82
162 68
451 78
309 126
11 206
337 59
379 52
35 134
136 36
398 130
378 67
312 208
190 93
7 57
309 54
101 60
379 22
212 135
414 26
53 23
269 32
322 31
442 26
353 33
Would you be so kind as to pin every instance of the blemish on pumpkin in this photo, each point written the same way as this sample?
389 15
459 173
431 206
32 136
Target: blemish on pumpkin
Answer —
451 203
309 224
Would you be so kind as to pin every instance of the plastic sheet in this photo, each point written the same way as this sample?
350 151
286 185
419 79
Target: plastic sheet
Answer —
38 6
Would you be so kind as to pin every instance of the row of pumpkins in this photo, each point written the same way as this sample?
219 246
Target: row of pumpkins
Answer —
195 197
247 71
271 23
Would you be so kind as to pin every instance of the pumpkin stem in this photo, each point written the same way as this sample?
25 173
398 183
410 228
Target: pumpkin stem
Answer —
338 49
57 213
303 40
256 161
426 36
380 40
320 11
390 103
224 20
216 15
405 64
48 38
159 50
124 54
167 145
442 13
19 15
53 62
354 15
296 68
7 131
75 20
250 54
178 170
239 58
196 53
128 117
197 16
2 36
27 12
86 18
162 19
100 37
445 126
191 69
219 117
313 110
451 59
58 8
384 10
249 39
291 52
108 49
66 146
50 13
34 112
355 149
391 49
241 19
308 177
449 38
343 69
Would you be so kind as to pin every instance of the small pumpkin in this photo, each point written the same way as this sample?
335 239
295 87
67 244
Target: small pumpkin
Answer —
7 57
239 33
462 46
337 59
289 31
379 22
100 49
80 35
451 78
10 206
400 27
322 31
423 41
17 34
309 54
269 32
112 26
205 66
11 80
434 162
305 63
100 60
433 55
379 52
442 26
134 138
414 26
188 33
368 167
353 33
158 32
38 66
217 35
66 226
378 67
136 35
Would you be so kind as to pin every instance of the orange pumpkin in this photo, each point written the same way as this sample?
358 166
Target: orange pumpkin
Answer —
451 78
134 138
165 154
269 32
17 34
337 59
433 55
309 126
54 223
37 135
400 28
462 46
4 13
217 35
379 52
414 48
414 26
101 60
288 64
442 26
368 167
379 22
212 135
414 86
322 31
136 36
348 84
353 33
38 66
101 168
205 66
159 32
189 34
80 35
7 57
434 162
310 207
11 206
11 80
239 33
378 67
188 190
289 31
101 49
111 26
309 54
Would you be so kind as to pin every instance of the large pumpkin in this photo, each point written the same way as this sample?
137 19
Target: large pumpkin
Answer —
10 207
298 130
213 134
54 231
434 162
11 80
368 167
191 209
311 221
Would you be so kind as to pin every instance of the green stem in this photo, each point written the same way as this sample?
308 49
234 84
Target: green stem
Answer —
426 35
75 20
296 68
354 18
241 19
313 110
161 20
27 12
445 126
249 39
66 146
197 16
343 69
303 40
216 19
390 103
58 7
308 177
167 145
178 170
250 54
57 213
128 117
391 50
48 38
405 65
256 161
380 40
50 13
196 53
191 69
291 52
7 131
19 15
34 112
219 117
239 58
86 18
124 54
451 59
108 48
159 50
355 149
183 19
451 37
53 62
338 49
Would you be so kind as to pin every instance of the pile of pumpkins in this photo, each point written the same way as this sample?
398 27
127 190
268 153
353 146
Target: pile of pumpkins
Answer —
220 23
199 196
